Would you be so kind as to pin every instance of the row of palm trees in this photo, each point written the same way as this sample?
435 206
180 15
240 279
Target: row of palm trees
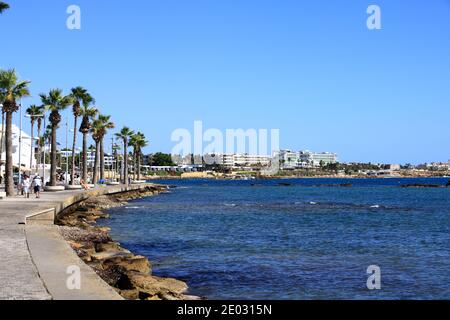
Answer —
13 90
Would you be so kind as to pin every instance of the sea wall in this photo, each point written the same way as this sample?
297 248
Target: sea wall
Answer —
129 274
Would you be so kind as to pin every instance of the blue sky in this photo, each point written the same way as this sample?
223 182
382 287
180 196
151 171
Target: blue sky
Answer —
309 68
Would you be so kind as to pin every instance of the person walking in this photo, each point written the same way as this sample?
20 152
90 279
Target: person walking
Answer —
26 183
37 183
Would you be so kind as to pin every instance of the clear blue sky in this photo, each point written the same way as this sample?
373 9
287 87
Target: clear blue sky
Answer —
310 68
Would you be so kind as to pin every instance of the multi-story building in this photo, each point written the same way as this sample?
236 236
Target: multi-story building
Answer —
109 160
239 160
315 159
290 160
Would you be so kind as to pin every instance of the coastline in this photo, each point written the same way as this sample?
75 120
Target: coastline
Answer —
128 274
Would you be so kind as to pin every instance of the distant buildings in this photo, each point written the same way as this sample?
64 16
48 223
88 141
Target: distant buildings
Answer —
290 160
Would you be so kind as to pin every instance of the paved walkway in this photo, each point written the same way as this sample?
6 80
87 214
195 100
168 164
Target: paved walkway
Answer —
33 255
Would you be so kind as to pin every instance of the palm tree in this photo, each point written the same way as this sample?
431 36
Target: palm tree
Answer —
96 129
125 134
35 113
3 6
11 90
99 130
138 142
106 124
55 102
88 112
80 97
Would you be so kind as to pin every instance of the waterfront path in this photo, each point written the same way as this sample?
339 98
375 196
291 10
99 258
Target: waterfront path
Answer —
34 258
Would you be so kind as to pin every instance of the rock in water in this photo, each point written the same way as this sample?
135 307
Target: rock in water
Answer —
164 288
448 183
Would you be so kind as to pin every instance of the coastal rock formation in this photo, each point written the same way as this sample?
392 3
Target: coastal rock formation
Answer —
129 274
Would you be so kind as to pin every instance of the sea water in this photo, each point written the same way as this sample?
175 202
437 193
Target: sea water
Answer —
295 239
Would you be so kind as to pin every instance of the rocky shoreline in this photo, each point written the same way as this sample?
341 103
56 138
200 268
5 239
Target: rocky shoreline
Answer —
130 275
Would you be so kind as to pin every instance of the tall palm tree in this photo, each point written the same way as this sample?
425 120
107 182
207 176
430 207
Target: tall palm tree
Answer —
80 97
3 6
88 112
11 90
99 130
55 102
106 125
96 129
125 134
138 142
35 113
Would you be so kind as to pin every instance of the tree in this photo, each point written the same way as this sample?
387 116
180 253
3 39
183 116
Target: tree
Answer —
107 124
125 134
138 142
55 102
88 112
35 113
11 90
80 97
3 6
99 130
162 160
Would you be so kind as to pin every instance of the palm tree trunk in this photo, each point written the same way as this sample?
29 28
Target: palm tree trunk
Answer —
72 175
102 160
32 143
39 155
96 163
125 161
139 166
9 182
85 171
53 158
2 136
134 164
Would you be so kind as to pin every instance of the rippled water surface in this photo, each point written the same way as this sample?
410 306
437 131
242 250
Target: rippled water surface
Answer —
295 239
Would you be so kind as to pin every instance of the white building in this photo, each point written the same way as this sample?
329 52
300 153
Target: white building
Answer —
27 152
290 160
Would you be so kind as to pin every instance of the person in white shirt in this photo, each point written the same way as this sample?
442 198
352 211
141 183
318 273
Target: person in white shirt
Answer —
26 184
37 183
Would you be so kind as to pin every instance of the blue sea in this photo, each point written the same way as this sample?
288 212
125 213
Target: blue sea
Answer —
295 239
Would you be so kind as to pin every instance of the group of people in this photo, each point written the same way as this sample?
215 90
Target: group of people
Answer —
29 184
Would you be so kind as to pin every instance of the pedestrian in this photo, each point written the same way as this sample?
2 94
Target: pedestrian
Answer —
37 183
26 183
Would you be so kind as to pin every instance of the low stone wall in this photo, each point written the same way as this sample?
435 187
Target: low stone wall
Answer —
129 274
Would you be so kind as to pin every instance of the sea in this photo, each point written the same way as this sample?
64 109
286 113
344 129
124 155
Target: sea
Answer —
295 239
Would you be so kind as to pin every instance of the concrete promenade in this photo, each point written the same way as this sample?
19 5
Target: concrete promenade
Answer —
33 255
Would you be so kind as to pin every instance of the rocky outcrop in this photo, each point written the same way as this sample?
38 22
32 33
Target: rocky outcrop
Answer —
129 274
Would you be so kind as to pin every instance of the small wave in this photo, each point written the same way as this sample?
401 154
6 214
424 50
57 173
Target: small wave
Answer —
377 206
132 207
313 203
230 205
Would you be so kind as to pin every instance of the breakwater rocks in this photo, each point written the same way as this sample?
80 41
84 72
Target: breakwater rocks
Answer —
130 275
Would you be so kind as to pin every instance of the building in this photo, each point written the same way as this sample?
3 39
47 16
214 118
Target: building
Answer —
290 160
239 160
27 152
315 159
108 159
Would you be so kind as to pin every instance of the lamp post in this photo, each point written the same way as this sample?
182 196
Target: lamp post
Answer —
20 146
